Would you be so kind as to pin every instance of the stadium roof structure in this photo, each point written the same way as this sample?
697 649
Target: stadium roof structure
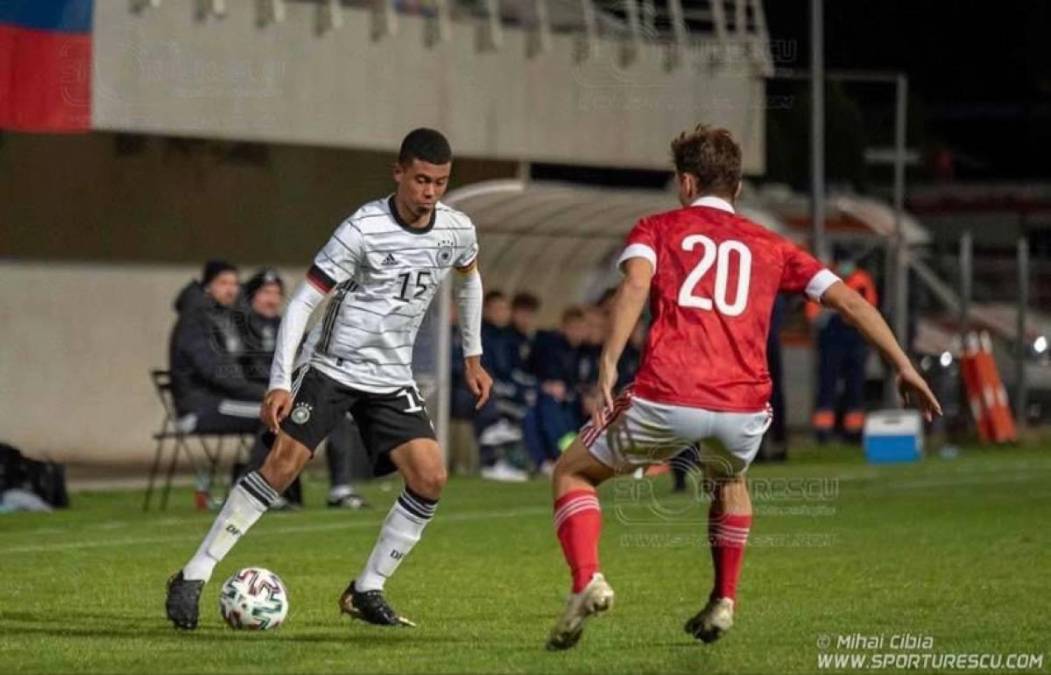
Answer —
849 216
561 239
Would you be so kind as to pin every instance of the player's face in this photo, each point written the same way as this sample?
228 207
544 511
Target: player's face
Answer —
267 301
224 288
421 184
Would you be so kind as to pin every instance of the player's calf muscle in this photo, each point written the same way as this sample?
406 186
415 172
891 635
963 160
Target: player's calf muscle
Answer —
286 459
731 495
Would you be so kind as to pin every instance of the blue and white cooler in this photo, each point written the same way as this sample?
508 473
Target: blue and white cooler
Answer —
893 436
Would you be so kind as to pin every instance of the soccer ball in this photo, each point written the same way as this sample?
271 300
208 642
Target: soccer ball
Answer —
254 598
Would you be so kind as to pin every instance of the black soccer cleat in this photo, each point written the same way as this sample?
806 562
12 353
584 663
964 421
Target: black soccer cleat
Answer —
370 607
183 598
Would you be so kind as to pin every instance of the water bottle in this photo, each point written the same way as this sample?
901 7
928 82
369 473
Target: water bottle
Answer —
201 498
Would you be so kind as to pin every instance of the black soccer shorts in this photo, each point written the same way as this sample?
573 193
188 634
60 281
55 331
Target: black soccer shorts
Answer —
385 420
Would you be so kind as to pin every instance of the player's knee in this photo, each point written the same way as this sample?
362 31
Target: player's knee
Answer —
561 471
432 484
569 474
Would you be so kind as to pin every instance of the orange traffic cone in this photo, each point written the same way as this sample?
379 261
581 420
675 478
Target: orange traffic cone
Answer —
973 388
994 395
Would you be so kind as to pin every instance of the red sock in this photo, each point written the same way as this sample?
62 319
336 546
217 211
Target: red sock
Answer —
578 521
728 534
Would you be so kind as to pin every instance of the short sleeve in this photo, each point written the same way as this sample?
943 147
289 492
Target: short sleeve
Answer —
641 243
339 259
804 273
468 251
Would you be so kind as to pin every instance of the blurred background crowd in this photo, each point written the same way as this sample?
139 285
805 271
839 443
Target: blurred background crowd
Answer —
545 377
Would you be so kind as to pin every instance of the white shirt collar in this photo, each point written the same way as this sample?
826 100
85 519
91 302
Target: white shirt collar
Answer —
715 203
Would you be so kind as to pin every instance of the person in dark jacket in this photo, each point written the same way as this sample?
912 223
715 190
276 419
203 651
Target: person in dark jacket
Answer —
556 364
498 424
264 296
210 388
775 444
842 355
524 307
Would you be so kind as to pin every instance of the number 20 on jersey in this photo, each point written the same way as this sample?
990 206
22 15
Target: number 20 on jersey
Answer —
721 256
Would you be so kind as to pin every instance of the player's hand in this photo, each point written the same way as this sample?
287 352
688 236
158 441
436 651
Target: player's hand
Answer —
607 379
276 405
478 381
915 392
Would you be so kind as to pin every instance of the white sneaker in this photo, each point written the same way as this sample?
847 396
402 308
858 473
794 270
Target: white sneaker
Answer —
547 468
596 597
500 433
504 472
716 618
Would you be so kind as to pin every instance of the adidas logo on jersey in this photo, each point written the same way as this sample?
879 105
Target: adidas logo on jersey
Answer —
389 260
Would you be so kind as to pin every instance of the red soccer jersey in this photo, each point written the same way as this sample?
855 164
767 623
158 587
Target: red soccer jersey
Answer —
716 278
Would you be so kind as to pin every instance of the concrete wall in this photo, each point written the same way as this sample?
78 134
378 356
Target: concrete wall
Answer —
112 197
78 343
166 71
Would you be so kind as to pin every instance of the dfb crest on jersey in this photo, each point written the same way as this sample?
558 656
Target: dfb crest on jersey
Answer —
301 413
445 252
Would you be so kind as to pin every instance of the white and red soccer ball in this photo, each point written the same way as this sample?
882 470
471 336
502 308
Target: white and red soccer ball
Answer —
255 599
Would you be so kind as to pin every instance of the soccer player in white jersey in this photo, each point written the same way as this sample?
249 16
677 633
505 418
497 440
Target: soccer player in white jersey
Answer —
382 267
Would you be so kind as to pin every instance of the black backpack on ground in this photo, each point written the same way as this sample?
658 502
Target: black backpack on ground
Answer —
46 479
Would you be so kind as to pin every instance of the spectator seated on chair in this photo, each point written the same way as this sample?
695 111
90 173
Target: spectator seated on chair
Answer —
264 297
524 307
463 446
210 388
498 424
631 358
556 363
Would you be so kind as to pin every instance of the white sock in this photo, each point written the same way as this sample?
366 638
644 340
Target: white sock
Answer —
401 530
248 500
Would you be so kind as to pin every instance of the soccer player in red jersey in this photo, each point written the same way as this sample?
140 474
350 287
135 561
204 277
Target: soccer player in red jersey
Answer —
711 278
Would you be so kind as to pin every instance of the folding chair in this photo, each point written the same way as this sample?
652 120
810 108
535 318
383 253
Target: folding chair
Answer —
170 434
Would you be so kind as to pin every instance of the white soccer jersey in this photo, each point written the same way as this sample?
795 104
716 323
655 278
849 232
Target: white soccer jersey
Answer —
384 274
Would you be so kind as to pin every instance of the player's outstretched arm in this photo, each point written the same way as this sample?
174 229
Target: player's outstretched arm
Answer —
278 399
628 304
469 296
867 319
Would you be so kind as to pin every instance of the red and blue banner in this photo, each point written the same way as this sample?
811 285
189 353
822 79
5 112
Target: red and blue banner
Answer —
45 65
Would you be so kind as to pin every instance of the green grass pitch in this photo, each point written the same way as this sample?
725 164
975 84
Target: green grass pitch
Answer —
957 551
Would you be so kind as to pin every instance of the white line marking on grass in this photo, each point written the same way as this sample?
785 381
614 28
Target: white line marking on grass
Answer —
931 469
953 482
294 529
109 525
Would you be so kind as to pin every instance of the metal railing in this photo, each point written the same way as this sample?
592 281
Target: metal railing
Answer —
718 24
